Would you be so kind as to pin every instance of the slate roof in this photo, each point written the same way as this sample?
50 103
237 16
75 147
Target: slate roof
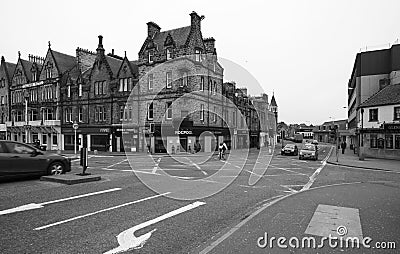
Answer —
114 63
387 96
10 68
64 62
179 35
26 65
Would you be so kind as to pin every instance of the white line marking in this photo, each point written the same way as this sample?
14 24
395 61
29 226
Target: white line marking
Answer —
100 211
314 176
197 166
116 163
127 239
156 166
41 205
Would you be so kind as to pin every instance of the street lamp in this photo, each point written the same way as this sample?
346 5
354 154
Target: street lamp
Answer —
336 139
26 96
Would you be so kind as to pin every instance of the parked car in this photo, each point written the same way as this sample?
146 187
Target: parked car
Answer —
290 149
18 159
308 151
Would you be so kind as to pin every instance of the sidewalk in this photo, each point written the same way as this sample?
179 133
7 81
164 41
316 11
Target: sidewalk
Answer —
350 159
365 209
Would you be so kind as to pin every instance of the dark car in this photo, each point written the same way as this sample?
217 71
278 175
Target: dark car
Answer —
309 151
18 159
290 149
38 146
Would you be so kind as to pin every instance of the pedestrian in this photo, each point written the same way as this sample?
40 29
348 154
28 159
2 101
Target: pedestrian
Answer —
222 149
343 146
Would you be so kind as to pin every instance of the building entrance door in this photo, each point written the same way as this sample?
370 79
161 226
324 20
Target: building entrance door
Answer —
183 141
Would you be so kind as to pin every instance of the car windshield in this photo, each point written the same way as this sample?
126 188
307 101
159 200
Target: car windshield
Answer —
289 146
309 147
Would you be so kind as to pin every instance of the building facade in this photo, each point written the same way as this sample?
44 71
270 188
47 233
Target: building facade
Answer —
6 72
380 124
372 71
172 99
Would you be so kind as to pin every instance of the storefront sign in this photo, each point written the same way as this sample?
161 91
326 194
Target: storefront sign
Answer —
106 130
392 127
183 132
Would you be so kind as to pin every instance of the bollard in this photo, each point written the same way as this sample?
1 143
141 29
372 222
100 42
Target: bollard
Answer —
84 161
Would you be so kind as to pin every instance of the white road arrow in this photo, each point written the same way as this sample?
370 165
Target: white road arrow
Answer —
127 239
41 205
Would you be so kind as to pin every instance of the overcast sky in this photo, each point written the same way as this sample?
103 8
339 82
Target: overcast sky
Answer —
304 51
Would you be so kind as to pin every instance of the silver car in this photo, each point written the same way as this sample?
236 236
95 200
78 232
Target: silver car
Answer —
308 151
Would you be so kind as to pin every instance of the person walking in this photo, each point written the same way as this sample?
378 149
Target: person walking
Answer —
343 146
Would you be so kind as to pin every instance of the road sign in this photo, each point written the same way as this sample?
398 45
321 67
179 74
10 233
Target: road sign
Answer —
75 126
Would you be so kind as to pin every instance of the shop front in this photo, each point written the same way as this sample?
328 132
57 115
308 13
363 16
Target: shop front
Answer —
242 139
94 138
184 139
381 142
125 139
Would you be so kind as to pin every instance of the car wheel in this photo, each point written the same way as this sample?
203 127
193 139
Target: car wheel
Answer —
300 158
56 168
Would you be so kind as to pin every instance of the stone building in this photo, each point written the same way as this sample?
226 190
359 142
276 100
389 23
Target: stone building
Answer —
181 90
6 72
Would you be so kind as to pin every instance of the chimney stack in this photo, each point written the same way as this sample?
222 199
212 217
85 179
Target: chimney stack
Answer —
100 49
195 20
152 29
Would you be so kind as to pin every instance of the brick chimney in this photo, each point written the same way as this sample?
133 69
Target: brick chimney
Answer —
209 43
195 20
152 29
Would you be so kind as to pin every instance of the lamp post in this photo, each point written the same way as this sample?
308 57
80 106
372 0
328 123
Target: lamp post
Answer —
75 126
336 139
26 96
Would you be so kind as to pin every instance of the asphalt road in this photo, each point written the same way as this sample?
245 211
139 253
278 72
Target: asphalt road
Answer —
172 204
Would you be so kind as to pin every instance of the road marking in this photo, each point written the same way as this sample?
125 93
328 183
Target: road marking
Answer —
127 239
116 163
197 166
314 176
100 211
156 166
327 219
41 205
288 170
215 243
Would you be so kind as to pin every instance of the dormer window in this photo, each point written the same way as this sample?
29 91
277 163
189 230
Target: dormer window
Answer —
34 75
169 53
197 54
151 56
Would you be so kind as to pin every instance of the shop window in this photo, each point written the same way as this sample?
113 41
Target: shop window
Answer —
55 141
130 113
381 143
389 141
397 142
373 115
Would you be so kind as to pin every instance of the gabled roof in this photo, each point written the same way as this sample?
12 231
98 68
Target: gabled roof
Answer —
114 64
387 96
63 61
179 36
26 67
